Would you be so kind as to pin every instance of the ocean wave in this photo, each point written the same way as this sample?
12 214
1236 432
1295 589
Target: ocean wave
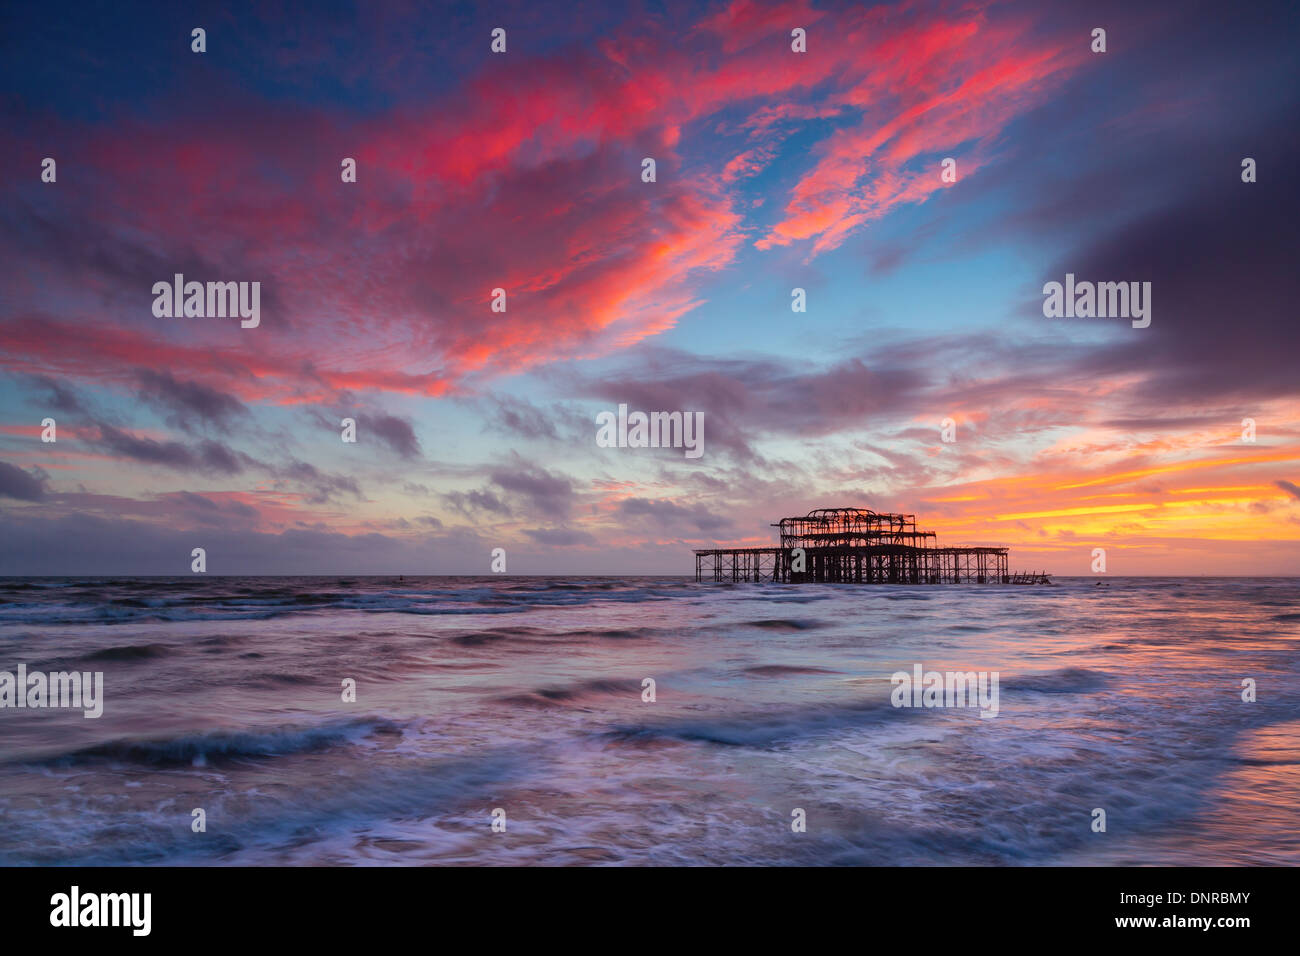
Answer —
1067 680
202 749
360 797
574 694
491 636
129 652
762 730
182 600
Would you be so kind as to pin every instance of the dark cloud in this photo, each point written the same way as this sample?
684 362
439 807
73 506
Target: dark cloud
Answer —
16 483
469 502
205 456
1222 265
177 509
59 397
673 515
548 493
521 418
559 537
1289 487
743 399
520 489
394 432
43 544
189 404
1172 423
188 508
67 236
319 486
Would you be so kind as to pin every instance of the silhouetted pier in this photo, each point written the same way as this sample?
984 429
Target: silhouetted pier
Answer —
854 545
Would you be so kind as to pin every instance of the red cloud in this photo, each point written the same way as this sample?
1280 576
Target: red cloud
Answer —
527 180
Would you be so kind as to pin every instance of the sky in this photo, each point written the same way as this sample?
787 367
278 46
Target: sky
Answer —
523 170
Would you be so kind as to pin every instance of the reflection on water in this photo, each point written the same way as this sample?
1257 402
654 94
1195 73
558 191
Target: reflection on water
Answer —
526 694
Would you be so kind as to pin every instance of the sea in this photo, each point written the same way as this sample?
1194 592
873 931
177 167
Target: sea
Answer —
634 721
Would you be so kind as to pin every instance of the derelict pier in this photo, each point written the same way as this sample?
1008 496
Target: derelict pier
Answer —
857 546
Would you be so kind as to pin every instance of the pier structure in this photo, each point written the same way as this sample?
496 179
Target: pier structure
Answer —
858 546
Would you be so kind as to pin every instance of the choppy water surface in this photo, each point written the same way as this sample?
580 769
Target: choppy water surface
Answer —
526 694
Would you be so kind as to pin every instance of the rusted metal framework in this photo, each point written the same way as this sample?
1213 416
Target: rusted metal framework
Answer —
852 527
742 564
854 545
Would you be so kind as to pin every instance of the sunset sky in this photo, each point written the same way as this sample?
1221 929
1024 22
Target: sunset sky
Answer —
775 170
